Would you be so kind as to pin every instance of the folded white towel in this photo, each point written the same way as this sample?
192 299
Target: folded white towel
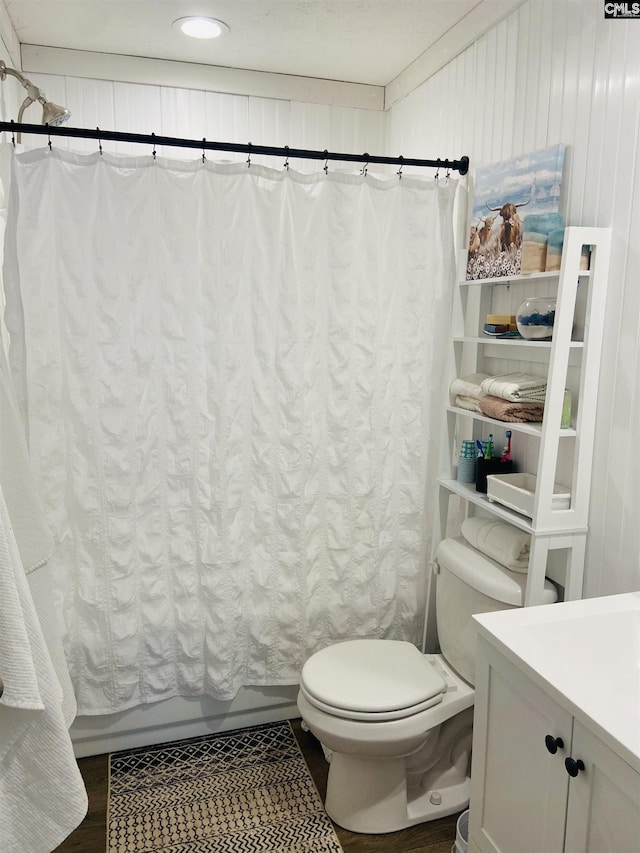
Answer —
469 386
502 542
517 387
469 403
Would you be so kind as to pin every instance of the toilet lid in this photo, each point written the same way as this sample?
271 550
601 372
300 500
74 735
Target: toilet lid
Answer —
372 676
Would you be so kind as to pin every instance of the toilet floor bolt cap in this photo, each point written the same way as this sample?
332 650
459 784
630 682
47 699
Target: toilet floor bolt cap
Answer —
436 798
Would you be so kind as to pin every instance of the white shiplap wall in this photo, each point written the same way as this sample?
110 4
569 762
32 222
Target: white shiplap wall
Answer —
550 73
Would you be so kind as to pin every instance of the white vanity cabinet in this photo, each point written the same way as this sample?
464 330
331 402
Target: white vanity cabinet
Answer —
603 810
546 776
519 791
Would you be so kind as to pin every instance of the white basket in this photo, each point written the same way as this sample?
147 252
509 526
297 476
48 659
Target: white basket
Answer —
517 492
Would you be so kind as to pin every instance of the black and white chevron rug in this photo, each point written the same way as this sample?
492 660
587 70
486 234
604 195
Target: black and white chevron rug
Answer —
237 792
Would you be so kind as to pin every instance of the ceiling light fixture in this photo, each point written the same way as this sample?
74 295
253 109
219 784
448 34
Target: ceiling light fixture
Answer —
201 28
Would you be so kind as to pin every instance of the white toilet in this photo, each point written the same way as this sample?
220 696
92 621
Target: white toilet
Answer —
398 722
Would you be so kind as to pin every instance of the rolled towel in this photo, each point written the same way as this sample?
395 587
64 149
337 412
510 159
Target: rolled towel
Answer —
502 542
469 386
505 410
517 387
469 403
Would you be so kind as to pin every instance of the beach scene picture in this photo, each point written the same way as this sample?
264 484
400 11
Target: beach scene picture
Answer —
516 226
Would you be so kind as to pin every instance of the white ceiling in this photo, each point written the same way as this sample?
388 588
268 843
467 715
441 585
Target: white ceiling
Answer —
359 41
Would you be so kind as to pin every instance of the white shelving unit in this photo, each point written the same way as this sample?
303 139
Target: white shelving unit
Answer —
570 360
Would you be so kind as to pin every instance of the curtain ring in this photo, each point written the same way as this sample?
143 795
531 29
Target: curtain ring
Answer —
399 172
249 156
204 139
13 138
99 141
448 175
49 143
363 171
326 161
153 153
286 162
437 174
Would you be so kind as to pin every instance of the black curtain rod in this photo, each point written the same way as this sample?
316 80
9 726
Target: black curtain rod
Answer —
461 165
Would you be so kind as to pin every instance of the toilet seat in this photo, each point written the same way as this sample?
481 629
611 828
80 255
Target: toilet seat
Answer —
372 680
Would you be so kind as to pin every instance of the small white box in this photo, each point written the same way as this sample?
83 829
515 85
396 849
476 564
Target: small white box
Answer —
517 491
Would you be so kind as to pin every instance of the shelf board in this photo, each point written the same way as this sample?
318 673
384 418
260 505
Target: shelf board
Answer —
514 279
528 429
468 492
520 350
511 342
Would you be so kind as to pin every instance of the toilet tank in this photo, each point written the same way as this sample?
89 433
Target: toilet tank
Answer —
470 583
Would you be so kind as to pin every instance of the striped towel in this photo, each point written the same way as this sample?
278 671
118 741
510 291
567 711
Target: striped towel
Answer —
516 387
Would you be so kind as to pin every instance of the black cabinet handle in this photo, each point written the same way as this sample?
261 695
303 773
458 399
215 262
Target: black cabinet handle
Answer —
573 767
553 744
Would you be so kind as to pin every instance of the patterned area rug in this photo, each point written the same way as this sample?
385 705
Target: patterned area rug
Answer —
238 792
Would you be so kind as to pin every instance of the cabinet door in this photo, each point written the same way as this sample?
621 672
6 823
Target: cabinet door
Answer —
518 788
603 814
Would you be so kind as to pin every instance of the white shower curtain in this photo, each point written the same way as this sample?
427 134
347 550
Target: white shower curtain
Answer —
228 378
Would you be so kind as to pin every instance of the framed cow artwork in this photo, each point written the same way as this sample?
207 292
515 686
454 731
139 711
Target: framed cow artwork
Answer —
516 225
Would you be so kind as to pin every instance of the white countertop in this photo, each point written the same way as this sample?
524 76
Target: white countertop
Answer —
586 654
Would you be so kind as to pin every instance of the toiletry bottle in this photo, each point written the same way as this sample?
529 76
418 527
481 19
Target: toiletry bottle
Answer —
565 421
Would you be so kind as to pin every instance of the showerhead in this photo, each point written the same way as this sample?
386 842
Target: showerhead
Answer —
54 114
51 113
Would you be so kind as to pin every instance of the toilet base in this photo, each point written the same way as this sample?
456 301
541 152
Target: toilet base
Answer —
364 797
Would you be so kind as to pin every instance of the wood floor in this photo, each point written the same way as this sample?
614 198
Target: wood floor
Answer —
436 836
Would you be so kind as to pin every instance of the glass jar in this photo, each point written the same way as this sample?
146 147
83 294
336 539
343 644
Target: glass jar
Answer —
535 318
